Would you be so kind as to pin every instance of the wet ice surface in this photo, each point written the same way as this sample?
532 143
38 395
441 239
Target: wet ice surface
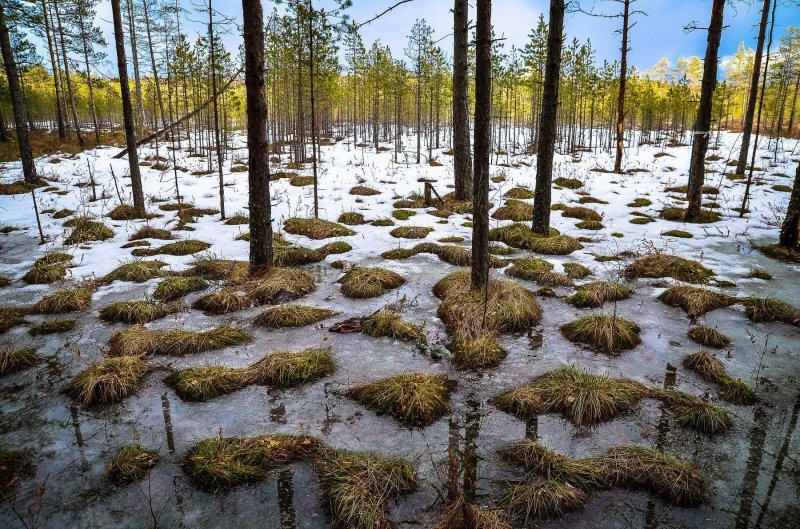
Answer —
753 469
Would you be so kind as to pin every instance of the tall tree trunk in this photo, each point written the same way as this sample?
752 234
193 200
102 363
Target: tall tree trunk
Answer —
747 128
135 58
794 105
17 102
462 164
314 149
3 129
790 230
482 145
62 133
702 128
216 109
257 138
86 46
153 64
547 120
127 108
70 92
623 76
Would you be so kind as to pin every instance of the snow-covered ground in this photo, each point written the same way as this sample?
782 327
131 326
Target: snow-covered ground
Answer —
71 444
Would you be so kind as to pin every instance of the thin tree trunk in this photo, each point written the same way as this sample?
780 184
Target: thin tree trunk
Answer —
135 58
482 145
547 121
153 64
747 128
17 102
71 94
702 128
462 164
216 109
623 76
62 133
790 230
84 39
257 138
127 108
314 149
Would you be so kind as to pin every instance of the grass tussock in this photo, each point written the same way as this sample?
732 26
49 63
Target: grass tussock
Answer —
222 302
219 269
764 310
711 369
708 337
696 301
11 317
87 230
679 215
568 183
581 213
476 350
681 234
454 255
128 212
530 268
364 191
51 327
596 293
391 325
278 369
351 218
186 247
49 268
148 232
603 333
550 498
141 341
576 270
410 232
285 369
137 311
582 397
508 308
515 210
369 282
13 359
414 399
66 300
461 514
219 464
357 487
20 187
518 235
109 381
136 271
676 481
292 315
781 253
173 288
660 265
279 285
591 225
131 464
316 229
519 193
297 255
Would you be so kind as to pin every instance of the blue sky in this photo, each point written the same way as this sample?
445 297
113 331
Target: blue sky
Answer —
660 34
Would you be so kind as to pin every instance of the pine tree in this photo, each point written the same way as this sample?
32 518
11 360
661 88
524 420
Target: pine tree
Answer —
482 145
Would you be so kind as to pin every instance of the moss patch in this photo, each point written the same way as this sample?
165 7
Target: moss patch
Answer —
411 232
520 193
569 183
351 218
519 235
403 214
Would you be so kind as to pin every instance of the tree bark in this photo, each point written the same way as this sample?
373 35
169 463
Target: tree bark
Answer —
462 164
547 120
702 128
623 77
127 108
213 53
257 138
790 230
482 145
86 47
17 102
747 127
